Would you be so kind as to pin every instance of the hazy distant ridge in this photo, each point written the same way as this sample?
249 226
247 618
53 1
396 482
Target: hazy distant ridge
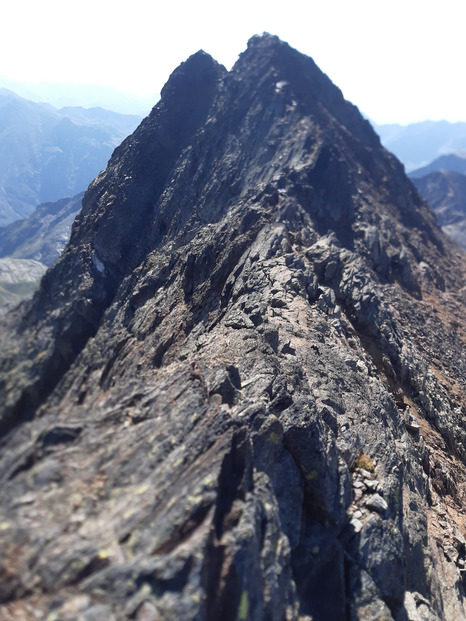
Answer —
454 162
79 94
418 144
43 235
46 154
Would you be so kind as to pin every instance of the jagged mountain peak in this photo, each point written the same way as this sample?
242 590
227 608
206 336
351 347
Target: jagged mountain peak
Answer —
222 146
191 73
271 50
296 75
241 387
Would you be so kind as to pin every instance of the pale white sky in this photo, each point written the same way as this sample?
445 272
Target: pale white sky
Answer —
398 61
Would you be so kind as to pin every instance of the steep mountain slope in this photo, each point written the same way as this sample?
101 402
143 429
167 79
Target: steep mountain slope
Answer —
418 144
43 235
46 154
445 191
239 393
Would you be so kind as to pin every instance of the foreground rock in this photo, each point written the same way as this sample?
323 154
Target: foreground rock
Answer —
209 408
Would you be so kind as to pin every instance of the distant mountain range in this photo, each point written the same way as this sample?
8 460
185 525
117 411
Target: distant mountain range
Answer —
46 154
43 235
435 155
418 144
455 162
82 94
28 247
19 279
443 184
445 191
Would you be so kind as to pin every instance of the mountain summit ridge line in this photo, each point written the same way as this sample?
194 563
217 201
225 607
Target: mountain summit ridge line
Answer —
239 393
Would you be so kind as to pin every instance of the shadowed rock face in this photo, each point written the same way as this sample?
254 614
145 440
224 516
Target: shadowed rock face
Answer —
239 394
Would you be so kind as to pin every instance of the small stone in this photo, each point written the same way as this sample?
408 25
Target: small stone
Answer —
26 499
365 473
97 613
410 607
237 320
358 494
375 502
147 612
356 524
361 367
351 363
331 269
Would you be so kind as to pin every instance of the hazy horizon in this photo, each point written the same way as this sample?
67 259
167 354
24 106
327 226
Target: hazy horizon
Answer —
398 62
61 95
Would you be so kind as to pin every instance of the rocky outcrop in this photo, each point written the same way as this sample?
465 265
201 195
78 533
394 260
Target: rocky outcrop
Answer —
239 393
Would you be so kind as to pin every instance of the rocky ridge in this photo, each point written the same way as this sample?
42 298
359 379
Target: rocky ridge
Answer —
240 393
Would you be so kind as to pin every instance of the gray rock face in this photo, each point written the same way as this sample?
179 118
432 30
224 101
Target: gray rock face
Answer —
203 408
